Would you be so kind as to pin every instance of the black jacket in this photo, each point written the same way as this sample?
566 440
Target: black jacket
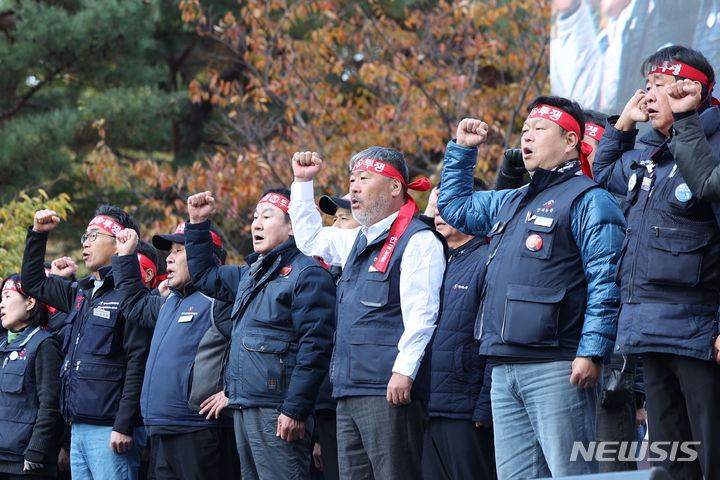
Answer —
119 356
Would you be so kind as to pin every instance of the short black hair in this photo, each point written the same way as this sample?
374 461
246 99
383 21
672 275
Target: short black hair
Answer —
285 192
568 106
678 53
387 155
39 315
147 249
119 215
595 117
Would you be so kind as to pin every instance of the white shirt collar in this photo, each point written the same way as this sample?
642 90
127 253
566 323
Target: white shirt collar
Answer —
375 230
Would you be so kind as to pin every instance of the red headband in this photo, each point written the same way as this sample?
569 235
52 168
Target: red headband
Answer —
679 69
13 286
568 122
406 211
107 224
180 230
145 262
276 199
594 131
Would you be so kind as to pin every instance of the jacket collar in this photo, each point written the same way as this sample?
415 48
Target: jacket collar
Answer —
21 339
272 255
467 247
543 179
105 275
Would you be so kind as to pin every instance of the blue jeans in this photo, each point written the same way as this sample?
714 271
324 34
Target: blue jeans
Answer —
91 457
537 415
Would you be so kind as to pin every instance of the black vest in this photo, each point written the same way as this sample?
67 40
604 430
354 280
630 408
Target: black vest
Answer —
369 322
535 291
93 372
18 392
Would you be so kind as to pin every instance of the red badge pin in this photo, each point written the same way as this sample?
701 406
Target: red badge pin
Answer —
534 242
285 271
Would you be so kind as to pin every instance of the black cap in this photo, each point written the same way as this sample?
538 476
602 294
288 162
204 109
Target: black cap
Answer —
330 204
164 242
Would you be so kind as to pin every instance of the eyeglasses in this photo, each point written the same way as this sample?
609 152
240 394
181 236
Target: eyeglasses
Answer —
92 236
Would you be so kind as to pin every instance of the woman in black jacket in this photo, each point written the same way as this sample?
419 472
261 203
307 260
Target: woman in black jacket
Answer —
30 361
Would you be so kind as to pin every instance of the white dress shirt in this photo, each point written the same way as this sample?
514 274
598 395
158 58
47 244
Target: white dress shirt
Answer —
421 269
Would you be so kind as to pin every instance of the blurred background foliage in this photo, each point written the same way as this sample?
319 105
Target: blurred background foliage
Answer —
140 103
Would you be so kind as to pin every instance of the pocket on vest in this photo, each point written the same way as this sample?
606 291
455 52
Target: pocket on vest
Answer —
538 249
372 354
12 382
374 293
531 315
96 389
675 257
99 338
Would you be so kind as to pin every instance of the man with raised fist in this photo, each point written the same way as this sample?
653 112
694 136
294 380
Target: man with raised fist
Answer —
104 364
549 304
387 305
281 339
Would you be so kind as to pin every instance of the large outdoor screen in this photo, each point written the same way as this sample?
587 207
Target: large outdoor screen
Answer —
597 46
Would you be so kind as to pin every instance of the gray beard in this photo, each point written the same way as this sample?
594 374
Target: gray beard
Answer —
371 215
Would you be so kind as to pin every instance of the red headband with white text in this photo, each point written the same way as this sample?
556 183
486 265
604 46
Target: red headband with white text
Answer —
180 230
568 122
107 224
594 131
276 199
679 69
13 286
406 211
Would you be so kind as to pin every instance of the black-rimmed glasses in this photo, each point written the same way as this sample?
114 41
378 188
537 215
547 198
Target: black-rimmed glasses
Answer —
92 236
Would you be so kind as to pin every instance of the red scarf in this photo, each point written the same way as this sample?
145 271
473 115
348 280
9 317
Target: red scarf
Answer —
406 212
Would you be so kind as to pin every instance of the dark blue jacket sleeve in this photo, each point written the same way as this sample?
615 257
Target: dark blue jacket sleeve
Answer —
611 168
136 302
313 316
483 409
54 291
470 212
220 282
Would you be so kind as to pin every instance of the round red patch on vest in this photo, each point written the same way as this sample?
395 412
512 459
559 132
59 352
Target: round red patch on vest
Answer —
534 242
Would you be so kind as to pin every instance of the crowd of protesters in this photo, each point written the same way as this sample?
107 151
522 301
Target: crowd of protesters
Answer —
483 339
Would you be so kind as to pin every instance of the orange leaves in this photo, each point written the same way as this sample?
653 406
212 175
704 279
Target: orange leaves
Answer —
338 77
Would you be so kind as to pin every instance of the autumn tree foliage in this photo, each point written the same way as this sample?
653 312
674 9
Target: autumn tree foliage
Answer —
15 217
337 77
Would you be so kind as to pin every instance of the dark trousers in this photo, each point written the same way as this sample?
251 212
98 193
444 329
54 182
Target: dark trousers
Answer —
682 398
457 449
379 441
326 427
205 454
616 418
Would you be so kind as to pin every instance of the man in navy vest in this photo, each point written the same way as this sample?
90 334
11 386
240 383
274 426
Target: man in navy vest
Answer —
669 271
281 340
183 443
548 314
458 441
102 374
387 305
